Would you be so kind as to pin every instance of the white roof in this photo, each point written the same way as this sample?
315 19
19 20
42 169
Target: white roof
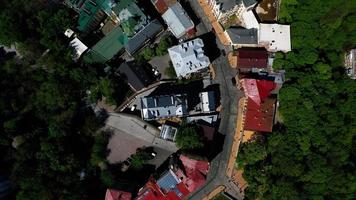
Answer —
177 20
79 46
206 99
188 57
276 36
207 118
69 33
250 20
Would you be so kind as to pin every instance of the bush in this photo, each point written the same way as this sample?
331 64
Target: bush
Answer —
188 137
139 159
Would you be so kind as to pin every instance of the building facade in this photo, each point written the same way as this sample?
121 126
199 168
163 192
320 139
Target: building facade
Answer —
223 9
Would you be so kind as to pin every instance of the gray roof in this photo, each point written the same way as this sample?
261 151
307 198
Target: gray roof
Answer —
248 3
135 75
227 5
177 20
148 32
242 36
164 106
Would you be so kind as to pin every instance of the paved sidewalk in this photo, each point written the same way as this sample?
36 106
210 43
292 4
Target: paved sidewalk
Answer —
207 16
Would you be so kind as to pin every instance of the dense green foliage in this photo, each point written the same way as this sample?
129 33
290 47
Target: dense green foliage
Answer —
188 137
140 158
43 107
159 49
312 154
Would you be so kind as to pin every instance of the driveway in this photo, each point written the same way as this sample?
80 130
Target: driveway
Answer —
130 133
161 62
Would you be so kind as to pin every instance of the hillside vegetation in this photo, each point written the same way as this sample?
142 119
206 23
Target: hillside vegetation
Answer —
312 154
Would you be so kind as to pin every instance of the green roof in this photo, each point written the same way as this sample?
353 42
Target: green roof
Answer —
110 45
93 57
131 17
89 12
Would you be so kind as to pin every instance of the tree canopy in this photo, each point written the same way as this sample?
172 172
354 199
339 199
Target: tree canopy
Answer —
43 107
312 154
188 137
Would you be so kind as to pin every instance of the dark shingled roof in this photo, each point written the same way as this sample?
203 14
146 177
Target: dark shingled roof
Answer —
135 75
241 35
148 32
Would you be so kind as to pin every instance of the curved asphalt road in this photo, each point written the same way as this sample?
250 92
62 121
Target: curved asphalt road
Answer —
230 96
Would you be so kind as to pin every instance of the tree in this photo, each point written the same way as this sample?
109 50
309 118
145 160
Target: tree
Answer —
140 158
313 147
188 137
163 45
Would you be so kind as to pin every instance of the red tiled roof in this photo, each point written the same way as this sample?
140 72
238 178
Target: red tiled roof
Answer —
260 107
258 90
117 195
252 58
200 165
153 192
260 118
193 177
161 6
195 171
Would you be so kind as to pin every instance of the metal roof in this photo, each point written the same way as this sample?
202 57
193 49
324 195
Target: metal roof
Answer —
241 35
111 44
147 33
177 20
164 106
252 58
188 57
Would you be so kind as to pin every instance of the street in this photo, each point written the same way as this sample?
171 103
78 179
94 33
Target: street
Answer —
230 96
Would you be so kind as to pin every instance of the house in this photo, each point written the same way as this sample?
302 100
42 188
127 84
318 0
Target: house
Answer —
189 58
223 9
207 101
112 194
164 106
91 12
176 184
177 20
130 17
168 132
193 173
240 36
143 36
126 28
168 187
261 105
107 47
249 58
78 46
350 63
275 37
135 75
